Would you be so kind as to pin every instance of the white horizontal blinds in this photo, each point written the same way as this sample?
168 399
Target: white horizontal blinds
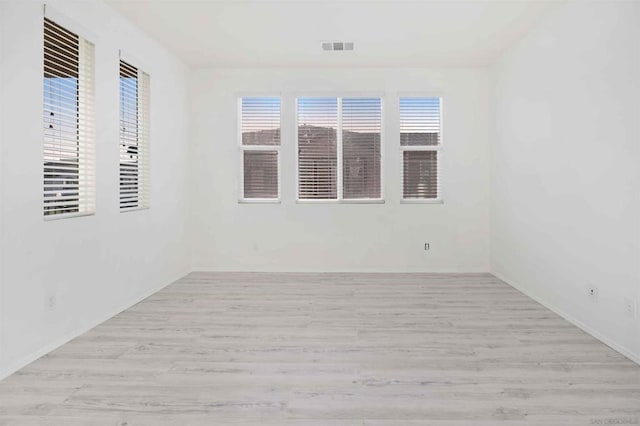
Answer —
260 174
361 126
260 144
261 121
317 148
420 174
419 121
129 167
420 140
134 137
68 150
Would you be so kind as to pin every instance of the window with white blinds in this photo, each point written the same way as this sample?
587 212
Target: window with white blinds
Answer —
68 149
260 148
317 148
420 141
361 128
134 138
339 148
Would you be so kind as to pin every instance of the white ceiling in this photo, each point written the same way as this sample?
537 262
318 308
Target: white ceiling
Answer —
289 33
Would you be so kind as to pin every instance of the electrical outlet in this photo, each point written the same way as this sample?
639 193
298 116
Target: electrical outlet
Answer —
592 291
427 246
630 308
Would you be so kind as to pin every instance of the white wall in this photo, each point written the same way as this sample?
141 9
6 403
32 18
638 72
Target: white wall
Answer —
339 237
565 179
97 265
565 186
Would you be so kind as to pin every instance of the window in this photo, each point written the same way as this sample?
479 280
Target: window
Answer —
260 146
134 138
420 132
318 148
68 148
339 148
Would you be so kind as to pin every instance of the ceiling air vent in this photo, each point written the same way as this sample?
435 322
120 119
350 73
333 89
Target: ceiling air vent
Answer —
337 46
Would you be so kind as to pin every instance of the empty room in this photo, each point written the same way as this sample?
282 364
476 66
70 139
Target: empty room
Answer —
319 213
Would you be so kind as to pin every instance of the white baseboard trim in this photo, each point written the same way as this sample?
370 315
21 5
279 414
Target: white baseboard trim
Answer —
341 270
604 339
28 359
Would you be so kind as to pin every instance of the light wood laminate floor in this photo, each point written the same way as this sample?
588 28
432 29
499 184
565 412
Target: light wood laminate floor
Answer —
328 350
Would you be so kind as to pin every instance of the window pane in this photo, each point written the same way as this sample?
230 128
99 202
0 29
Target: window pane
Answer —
317 148
134 137
129 137
260 174
361 122
420 174
419 121
260 121
61 120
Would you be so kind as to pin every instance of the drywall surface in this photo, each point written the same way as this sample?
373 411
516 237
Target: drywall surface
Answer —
291 236
60 277
565 186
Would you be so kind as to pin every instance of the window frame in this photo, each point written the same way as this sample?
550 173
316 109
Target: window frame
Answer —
436 148
88 207
339 148
255 148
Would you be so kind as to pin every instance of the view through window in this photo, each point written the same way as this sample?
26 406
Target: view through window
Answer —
260 145
134 138
339 148
420 143
69 177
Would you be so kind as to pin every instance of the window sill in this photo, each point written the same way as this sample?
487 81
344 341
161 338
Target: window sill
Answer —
133 209
53 217
421 201
259 201
347 201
